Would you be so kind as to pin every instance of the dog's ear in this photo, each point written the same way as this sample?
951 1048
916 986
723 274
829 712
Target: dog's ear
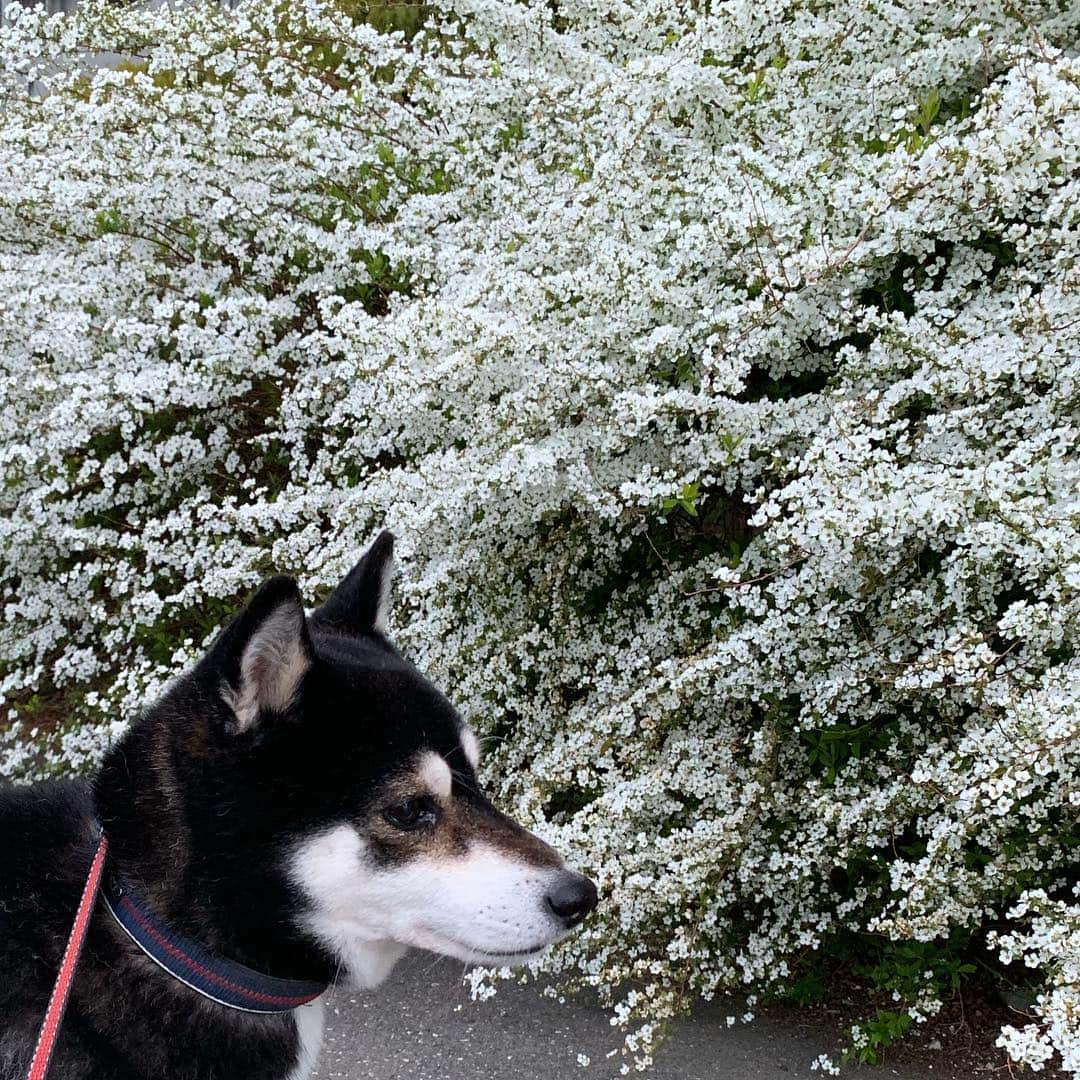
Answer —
361 603
263 654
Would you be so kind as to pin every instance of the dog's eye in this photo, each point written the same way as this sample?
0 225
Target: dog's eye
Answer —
417 812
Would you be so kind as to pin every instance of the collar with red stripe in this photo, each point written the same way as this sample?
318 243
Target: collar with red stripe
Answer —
223 981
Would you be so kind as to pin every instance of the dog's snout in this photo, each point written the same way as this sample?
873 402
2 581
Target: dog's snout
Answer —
571 897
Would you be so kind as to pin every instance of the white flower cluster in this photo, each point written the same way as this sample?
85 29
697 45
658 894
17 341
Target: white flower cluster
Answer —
1051 944
718 367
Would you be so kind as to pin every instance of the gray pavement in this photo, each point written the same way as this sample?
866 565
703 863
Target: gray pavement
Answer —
422 1025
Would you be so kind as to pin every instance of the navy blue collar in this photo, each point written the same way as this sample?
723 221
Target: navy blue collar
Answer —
223 981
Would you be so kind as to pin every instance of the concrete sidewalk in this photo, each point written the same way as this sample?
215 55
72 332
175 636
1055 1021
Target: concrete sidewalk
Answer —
422 1026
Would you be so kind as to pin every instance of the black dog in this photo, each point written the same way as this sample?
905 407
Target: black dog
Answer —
301 803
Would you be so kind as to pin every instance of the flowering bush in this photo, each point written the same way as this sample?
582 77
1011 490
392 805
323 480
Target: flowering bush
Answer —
719 369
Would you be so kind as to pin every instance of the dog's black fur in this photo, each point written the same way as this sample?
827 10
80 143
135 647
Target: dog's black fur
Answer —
198 815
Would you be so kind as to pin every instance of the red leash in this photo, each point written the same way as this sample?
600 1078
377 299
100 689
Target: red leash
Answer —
50 1027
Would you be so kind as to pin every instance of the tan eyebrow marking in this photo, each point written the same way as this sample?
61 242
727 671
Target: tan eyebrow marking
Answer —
471 745
435 774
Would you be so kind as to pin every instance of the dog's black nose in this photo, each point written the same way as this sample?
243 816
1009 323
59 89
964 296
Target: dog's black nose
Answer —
572 897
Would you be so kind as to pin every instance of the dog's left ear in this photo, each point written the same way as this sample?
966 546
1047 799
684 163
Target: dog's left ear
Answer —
264 653
361 603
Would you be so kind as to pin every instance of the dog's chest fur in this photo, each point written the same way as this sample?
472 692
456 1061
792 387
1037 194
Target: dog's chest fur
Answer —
309 1030
127 1019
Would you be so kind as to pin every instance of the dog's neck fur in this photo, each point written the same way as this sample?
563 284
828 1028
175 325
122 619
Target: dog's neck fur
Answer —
191 859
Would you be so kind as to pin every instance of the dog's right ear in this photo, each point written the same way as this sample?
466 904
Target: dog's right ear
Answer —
261 657
361 603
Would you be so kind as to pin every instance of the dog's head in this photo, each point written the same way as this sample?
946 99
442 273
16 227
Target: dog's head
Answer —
339 757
